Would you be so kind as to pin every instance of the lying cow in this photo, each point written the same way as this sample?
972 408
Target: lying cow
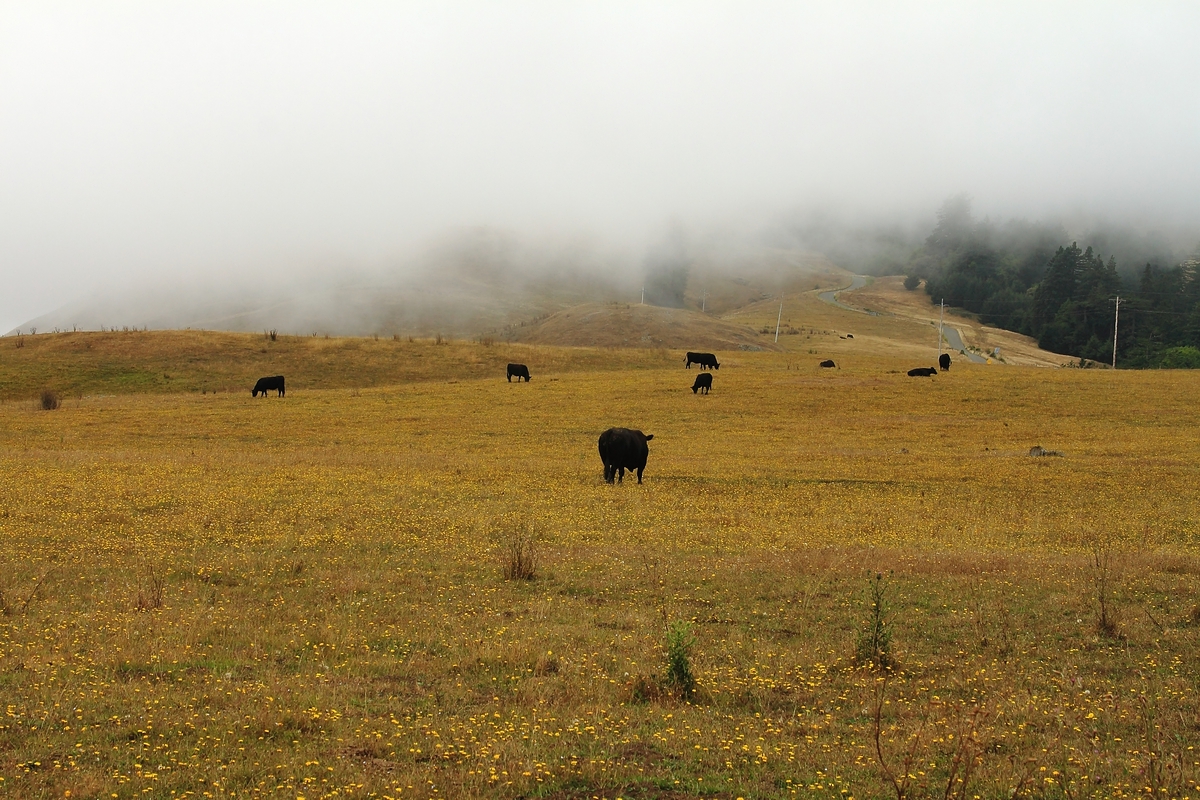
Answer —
827 363
705 360
703 381
623 449
944 361
922 372
265 385
519 371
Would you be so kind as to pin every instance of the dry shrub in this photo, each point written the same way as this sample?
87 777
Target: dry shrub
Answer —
546 665
150 592
520 555
50 400
1101 564
643 689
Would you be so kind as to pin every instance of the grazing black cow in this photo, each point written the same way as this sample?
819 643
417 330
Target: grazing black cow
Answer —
944 361
828 363
265 385
705 360
623 449
922 372
518 370
703 381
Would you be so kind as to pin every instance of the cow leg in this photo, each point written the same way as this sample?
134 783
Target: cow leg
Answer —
620 474
639 472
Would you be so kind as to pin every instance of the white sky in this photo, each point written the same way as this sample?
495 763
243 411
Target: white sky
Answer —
174 140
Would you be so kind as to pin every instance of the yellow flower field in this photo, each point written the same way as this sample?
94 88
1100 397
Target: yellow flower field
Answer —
208 595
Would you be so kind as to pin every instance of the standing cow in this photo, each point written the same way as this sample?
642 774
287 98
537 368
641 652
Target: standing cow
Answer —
623 449
703 381
705 360
944 361
265 385
519 371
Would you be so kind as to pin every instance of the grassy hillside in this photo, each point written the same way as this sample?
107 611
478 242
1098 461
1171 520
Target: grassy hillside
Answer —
119 362
306 596
632 325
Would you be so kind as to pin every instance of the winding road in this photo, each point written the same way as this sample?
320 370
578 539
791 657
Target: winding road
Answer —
830 297
953 338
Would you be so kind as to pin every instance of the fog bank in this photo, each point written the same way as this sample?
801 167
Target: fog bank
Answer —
226 147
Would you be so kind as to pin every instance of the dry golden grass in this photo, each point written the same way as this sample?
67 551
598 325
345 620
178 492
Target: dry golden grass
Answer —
335 621
123 362
632 325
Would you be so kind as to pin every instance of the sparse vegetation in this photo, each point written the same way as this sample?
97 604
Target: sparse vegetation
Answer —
1102 584
150 589
50 400
874 646
520 555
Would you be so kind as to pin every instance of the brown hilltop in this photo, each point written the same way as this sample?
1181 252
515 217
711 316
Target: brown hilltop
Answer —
630 325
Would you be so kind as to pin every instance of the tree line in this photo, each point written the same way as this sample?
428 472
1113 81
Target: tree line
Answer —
1029 278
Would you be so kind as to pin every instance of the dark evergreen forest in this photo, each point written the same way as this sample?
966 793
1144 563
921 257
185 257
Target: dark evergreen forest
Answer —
1029 278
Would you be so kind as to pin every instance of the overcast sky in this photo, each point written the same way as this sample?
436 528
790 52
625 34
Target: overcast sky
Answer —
173 139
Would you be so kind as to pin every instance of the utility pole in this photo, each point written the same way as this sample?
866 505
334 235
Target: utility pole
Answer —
703 302
941 320
1116 318
778 319
643 295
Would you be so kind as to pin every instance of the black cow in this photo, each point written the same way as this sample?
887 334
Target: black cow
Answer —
828 363
703 381
518 370
705 360
922 372
944 361
623 449
265 385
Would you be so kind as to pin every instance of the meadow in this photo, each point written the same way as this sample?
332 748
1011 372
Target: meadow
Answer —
208 595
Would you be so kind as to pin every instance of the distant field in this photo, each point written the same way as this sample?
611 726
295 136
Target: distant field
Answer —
123 362
213 596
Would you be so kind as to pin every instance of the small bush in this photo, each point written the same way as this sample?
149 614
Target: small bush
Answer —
1102 581
20 341
50 400
150 592
874 647
679 659
520 556
546 665
272 334
912 282
643 689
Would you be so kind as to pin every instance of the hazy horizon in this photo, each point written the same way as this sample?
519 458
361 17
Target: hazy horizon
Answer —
246 144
